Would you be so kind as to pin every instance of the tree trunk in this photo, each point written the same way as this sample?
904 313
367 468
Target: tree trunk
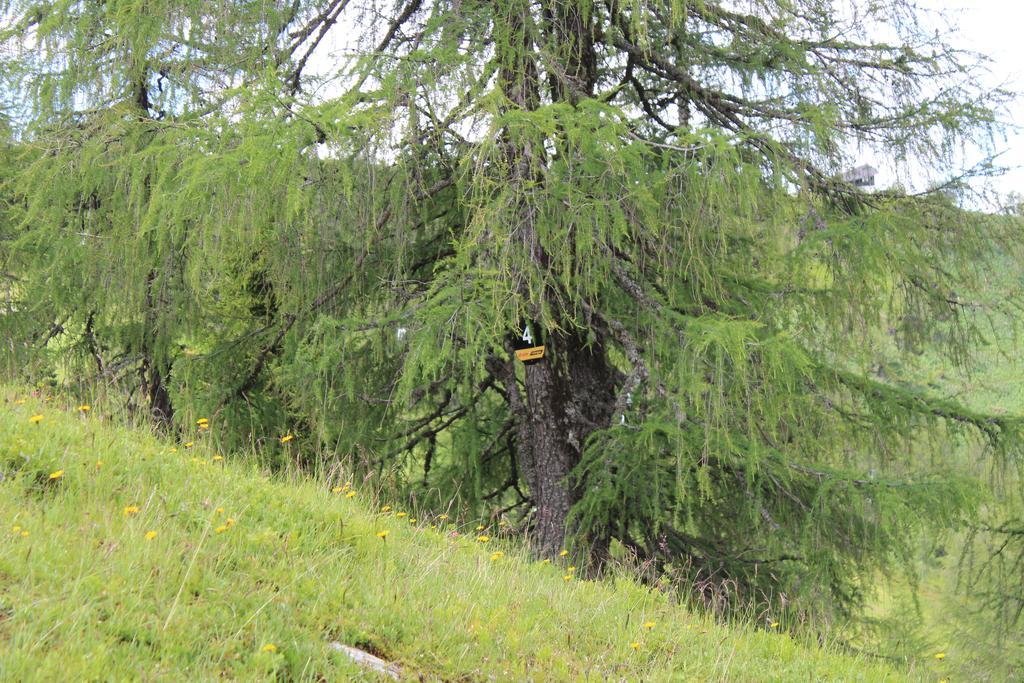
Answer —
572 391
568 395
161 410
154 386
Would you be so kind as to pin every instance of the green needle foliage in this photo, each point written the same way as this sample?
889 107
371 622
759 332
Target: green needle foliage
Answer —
206 223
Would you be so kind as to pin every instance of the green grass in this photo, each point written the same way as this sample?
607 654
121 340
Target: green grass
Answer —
85 595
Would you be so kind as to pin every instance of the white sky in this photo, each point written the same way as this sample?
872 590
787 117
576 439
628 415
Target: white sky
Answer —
994 28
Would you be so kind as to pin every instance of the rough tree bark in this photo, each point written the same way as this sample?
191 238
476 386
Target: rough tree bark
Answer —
154 385
568 396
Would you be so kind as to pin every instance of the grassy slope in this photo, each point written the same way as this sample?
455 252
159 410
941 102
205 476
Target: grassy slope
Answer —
85 594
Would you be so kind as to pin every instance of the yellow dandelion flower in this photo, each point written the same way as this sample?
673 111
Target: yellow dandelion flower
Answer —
16 529
173 449
217 458
36 419
433 526
545 561
442 516
189 444
412 520
287 437
202 421
401 514
131 510
269 647
386 508
350 494
229 522
571 568
483 539
480 527
347 485
24 534
150 535
497 555
383 533
99 464
337 489
650 624
774 624
940 655
221 529
84 408
635 645
203 426
219 510
57 475
567 577
20 401
563 553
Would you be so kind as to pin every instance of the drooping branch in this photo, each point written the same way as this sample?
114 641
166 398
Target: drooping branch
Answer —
995 427
271 348
408 10
728 112
322 24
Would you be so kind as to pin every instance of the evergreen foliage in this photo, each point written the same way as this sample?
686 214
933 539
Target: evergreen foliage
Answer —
203 224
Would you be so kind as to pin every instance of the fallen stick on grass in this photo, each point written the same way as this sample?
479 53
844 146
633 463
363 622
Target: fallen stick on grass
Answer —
370 661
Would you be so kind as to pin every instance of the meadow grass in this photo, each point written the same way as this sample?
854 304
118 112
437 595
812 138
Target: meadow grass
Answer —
124 557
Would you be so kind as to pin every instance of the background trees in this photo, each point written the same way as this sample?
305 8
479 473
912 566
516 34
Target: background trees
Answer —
209 227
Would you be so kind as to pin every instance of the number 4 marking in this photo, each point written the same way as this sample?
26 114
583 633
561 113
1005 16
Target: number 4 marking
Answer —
527 337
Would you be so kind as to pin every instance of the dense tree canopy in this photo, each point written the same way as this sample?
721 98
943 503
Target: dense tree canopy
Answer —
206 223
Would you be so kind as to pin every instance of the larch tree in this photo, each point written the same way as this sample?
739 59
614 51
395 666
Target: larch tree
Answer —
212 220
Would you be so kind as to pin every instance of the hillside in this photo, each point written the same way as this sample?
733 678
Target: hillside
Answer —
125 557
